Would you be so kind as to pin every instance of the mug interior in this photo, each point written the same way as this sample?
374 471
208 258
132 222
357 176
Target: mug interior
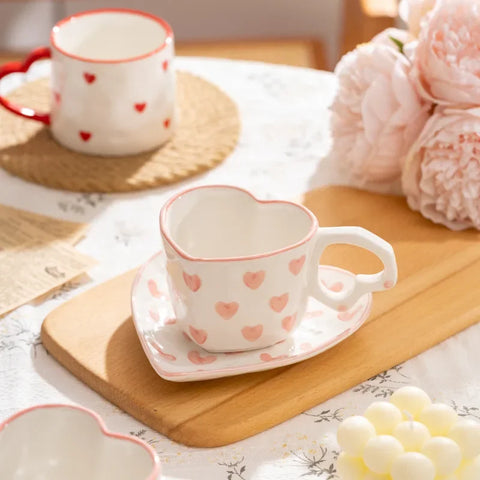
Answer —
62 443
110 35
226 222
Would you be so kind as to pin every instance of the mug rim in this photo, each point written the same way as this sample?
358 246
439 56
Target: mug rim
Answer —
164 231
163 23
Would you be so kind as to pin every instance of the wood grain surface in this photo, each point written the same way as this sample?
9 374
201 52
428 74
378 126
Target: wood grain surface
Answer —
93 334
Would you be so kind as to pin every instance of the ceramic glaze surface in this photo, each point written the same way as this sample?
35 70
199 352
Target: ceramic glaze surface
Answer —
222 223
112 82
111 107
177 358
64 442
241 270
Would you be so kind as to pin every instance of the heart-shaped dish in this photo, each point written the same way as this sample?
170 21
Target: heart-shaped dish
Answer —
59 442
176 358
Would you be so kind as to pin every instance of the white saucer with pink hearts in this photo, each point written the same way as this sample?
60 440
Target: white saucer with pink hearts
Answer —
176 358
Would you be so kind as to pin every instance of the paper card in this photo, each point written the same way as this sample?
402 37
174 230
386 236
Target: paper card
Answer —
35 269
32 260
70 232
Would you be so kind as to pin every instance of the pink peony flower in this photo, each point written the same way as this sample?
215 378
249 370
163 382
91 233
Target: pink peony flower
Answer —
413 12
441 177
447 58
376 115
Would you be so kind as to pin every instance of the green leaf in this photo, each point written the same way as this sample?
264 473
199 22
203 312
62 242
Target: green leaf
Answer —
398 43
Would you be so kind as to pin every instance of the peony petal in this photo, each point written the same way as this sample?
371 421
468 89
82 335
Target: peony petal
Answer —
374 114
441 176
447 61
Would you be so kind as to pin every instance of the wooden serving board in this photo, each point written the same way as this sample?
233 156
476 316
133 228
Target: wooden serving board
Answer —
437 295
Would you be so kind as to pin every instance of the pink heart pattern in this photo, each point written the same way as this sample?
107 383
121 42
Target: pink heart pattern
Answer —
140 107
289 322
193 282
266 357
154 315
85 136
277 304
165 65
200 336
252 333
158 348
167 356
254 279
153 289
166 123
89 77
334 287
197 359
295 266
226 310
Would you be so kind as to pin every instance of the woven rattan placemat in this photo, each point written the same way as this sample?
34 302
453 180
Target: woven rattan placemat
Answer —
207 132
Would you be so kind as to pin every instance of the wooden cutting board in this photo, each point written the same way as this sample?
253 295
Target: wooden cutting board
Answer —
437 295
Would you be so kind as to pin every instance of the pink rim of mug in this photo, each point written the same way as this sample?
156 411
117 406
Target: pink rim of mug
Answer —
186 256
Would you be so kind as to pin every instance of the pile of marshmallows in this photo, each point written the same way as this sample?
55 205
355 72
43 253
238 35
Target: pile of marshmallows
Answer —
409 438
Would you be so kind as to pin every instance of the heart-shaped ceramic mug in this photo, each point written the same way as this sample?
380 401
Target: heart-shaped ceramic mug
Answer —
112 82
240 270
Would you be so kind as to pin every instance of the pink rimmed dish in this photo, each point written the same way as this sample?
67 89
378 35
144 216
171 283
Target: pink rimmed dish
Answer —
59 442
176 358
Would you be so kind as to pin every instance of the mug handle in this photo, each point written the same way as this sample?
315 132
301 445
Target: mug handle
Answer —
22 67
359 237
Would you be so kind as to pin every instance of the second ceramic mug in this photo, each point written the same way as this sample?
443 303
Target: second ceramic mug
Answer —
240 270
112 82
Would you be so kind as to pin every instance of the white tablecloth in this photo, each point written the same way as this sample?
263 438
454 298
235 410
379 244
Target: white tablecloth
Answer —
283 140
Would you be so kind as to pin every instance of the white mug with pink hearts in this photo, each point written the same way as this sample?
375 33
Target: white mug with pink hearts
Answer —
112 82
240 270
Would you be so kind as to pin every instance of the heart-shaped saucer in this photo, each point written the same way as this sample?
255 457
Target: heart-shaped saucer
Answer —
175 357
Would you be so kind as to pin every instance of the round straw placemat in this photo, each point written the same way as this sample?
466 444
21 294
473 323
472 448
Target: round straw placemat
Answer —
207 131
